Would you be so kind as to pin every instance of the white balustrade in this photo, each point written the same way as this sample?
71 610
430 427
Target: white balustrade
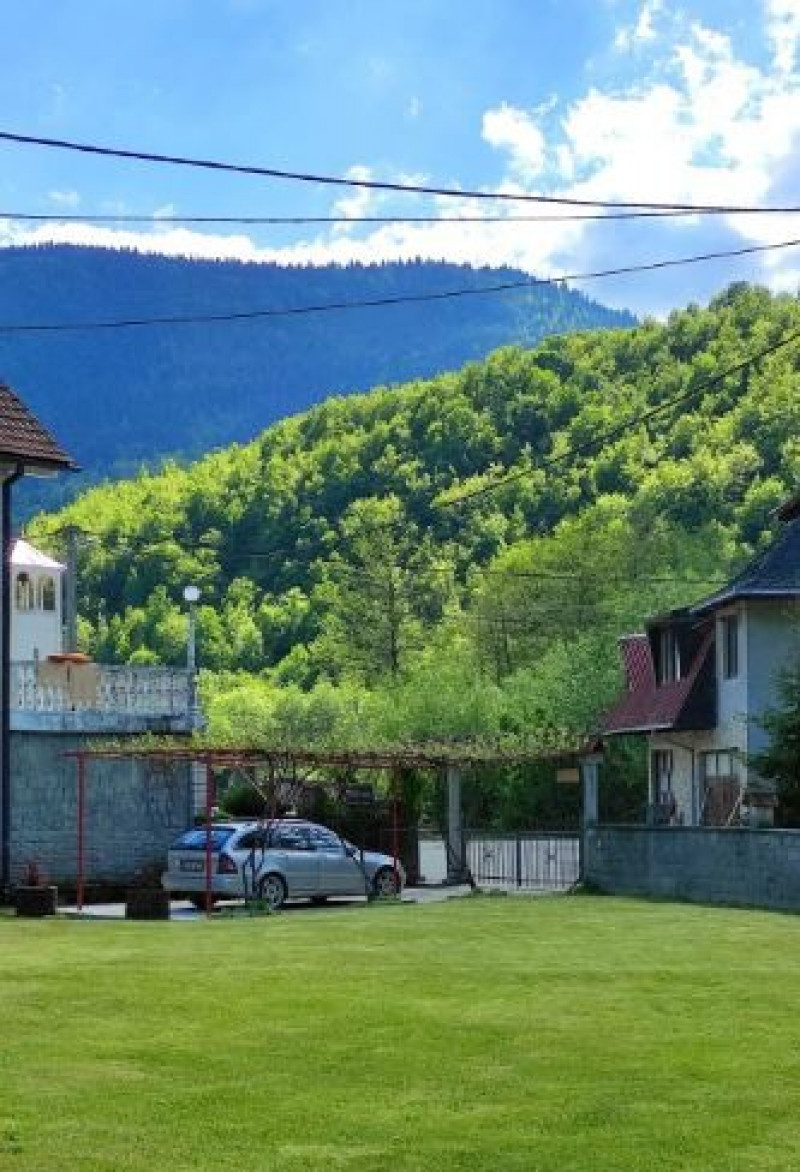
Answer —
144 691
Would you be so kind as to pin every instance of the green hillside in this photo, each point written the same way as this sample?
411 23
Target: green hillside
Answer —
334 561
122 399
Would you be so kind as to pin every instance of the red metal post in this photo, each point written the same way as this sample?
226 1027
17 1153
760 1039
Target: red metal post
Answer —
209 839
395 831
81 843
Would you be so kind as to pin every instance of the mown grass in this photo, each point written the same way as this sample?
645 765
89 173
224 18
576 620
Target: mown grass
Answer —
576 1033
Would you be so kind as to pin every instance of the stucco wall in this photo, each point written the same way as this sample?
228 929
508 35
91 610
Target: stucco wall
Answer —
755 868
132 813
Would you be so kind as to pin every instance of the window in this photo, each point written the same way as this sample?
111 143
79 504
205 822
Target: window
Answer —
730 646
292 838
718 765
253 840
661 767
668 660
47 594
326 840
23 592
196 839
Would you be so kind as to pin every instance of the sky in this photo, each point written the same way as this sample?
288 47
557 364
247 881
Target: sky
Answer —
695 101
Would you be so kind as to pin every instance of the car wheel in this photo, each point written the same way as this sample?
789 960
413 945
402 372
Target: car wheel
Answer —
199 901
386 882
272 890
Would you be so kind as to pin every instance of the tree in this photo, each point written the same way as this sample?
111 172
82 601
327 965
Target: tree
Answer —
779 762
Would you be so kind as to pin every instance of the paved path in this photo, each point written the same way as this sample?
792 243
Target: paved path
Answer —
183 910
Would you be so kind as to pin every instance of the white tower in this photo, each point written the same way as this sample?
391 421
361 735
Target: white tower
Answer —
36 630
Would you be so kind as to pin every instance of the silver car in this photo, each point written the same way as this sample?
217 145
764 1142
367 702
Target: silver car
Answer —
274 861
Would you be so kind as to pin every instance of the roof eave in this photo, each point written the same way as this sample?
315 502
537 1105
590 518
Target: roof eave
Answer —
635 730
35 466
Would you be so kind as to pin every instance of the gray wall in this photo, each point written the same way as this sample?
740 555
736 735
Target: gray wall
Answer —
755 868
133 811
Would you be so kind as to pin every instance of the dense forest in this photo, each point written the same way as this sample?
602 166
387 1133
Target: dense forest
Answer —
348 593
120 399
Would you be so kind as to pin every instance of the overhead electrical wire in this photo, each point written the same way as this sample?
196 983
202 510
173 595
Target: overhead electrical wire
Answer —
157 220
186 543
375 184
614 433
402 299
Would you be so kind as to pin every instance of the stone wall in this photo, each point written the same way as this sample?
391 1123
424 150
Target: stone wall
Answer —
133 811
753 868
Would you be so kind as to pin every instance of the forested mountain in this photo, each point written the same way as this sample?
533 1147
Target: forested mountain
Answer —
119 399
338 566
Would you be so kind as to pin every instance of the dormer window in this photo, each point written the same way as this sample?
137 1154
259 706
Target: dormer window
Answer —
668 657
729 630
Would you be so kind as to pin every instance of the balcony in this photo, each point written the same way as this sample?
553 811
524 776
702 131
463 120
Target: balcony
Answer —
92 697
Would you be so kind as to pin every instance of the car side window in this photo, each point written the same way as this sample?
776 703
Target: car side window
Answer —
326 839
253 840
291 838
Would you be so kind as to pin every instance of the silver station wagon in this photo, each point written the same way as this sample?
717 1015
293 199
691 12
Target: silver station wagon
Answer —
274 861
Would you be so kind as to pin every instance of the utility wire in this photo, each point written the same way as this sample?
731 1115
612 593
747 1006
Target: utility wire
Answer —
633 421
402 299
188 544
374 184
550 218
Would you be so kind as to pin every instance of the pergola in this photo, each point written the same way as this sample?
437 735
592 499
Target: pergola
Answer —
265 767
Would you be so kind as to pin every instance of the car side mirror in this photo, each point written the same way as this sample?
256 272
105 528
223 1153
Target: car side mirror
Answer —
350 850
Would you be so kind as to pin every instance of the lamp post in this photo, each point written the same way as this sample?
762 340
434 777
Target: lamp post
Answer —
191 596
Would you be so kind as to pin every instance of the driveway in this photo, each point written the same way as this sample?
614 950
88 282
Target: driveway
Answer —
183 910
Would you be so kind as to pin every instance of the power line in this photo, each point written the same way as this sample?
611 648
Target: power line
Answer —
189 544
632 421
402 299
550 218
375 184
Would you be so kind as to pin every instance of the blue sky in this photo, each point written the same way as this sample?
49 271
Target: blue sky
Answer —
611 99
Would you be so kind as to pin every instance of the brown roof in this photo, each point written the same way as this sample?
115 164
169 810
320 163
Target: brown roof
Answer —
24 440
646 706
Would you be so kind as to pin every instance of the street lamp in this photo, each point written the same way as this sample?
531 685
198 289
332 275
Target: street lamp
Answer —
191 596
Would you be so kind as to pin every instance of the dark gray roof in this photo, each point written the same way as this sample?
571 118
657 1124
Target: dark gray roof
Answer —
775 573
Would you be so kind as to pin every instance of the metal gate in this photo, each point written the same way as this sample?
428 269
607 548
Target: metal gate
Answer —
536 861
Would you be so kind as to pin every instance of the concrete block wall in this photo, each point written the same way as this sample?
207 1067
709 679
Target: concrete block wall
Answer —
753 868
133 810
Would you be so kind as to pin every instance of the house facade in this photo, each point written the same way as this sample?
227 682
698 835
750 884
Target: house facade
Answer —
698 681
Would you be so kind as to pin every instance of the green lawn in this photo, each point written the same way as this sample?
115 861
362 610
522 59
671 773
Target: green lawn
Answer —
567 1034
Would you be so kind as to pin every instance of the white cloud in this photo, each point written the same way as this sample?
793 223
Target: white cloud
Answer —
414 108
359 201
783 32
515 131
64 199
706 126
629 37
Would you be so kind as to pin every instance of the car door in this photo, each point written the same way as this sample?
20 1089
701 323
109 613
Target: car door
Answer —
248 851
293 855
340 873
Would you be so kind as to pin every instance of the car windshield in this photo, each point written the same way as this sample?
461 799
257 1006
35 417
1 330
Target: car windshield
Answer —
196 839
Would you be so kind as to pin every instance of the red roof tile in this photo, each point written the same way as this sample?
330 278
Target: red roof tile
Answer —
24 440
647 705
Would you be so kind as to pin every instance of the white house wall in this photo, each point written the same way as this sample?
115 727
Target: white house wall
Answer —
686 749
732 695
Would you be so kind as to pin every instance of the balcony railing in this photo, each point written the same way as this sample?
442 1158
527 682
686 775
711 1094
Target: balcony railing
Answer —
93 687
